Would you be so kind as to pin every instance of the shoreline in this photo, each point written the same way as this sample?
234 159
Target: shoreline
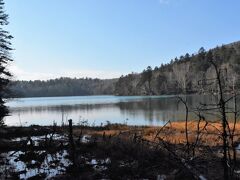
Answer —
115 150
172 132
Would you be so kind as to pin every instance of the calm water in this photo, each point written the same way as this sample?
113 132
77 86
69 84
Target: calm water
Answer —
94 110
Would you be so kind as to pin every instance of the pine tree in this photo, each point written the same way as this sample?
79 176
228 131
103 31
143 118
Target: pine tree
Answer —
5 58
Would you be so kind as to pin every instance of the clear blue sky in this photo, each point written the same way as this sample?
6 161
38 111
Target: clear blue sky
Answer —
107 38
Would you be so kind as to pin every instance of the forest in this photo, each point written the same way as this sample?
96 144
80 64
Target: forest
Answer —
187 74
61 87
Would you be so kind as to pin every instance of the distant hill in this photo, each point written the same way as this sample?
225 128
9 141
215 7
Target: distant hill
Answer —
185 74
180 75
62 87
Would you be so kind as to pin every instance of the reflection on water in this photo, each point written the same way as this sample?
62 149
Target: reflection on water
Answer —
35 165
134 110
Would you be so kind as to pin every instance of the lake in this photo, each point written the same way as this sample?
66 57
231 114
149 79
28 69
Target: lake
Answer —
97 110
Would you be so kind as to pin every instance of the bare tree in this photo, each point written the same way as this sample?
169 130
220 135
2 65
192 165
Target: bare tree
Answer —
222 108
182 73
184 101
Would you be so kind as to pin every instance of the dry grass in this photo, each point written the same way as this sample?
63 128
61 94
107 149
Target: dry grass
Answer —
173 132
206 161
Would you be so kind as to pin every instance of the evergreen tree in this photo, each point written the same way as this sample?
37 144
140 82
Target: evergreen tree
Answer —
147 77
5 58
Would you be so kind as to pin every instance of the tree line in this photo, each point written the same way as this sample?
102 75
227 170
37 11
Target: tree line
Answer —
184 74
187 74
61 87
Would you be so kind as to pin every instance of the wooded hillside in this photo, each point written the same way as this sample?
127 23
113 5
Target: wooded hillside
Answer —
186 74
62 87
